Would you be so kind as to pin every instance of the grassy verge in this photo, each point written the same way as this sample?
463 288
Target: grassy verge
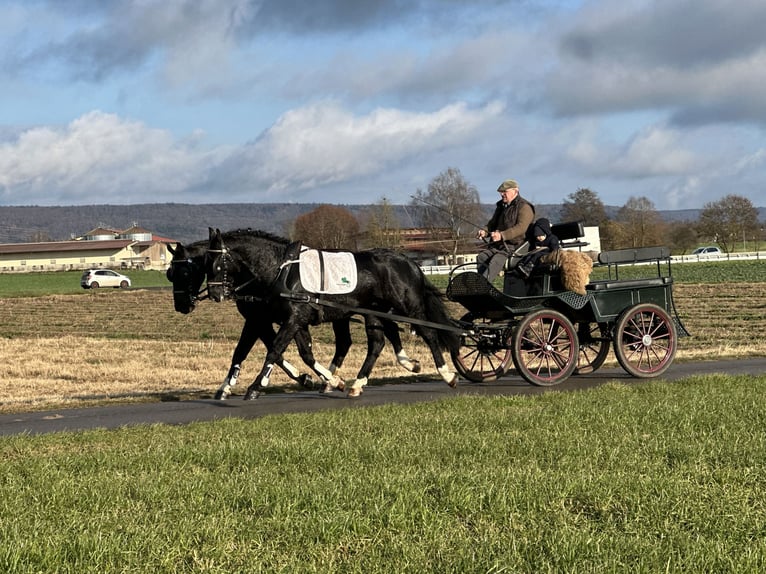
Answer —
653 477
68 282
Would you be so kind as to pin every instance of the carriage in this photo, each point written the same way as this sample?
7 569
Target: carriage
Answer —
550 333
545 331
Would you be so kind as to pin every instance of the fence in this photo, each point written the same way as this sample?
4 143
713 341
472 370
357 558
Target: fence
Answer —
445 269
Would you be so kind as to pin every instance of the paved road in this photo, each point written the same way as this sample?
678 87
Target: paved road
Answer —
182 412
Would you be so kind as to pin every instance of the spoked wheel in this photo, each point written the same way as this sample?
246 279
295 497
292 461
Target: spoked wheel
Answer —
645 340
484 355
545 348
594 347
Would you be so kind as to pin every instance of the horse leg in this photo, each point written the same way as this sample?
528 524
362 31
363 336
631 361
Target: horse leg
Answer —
375 342
245 344
431 338
391 331
342 331
253 330
286 333
305 350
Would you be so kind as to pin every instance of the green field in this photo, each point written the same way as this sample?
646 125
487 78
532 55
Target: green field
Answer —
650 477
67 282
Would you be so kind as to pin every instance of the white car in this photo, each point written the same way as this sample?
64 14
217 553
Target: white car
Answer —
706 251
95 278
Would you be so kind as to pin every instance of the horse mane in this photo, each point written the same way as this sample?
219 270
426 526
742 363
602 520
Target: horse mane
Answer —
253 233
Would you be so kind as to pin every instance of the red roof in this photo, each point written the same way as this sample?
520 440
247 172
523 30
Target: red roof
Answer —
56 246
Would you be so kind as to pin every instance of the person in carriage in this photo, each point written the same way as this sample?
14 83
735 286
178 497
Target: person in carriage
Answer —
542 242
506 230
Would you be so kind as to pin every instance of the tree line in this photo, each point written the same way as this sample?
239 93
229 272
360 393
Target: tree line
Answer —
449 213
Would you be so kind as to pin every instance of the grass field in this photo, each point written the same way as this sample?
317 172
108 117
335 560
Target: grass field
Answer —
638 477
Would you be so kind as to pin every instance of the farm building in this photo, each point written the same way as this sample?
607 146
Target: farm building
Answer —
132 248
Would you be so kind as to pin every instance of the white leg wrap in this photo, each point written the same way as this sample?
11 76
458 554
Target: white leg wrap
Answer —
359 383
448 376
231 380
267 376
290 369
323 372
404 360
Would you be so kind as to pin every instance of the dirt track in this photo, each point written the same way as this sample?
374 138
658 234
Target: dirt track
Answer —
183 412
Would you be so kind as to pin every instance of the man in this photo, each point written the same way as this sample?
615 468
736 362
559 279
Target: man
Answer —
506 230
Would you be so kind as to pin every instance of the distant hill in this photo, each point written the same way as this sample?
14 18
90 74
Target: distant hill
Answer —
189 222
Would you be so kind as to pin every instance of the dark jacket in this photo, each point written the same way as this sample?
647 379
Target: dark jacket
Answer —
543 227
512 220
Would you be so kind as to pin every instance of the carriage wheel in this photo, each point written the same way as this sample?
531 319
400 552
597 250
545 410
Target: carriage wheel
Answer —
545 348
594 347
645 340
484 355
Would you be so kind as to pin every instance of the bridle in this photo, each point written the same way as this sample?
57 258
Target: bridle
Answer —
226 285
190 264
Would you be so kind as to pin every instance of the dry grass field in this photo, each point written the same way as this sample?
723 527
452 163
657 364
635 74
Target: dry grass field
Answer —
77 350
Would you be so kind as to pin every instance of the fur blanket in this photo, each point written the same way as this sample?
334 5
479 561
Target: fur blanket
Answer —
575 268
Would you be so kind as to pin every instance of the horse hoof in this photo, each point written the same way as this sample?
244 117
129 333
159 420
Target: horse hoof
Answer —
453 383
341 386
306 381
221 396
327 389
354 393
251 395
415 367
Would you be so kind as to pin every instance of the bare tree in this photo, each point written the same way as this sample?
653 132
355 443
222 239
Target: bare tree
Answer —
450 209
639 224
729 220
327 227
383 229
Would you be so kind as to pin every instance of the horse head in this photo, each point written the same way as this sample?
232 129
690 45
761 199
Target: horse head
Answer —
187 273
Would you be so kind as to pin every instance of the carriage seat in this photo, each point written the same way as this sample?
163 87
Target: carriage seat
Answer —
643 255
637 255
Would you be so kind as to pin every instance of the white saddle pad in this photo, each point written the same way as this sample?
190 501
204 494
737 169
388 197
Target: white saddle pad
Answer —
325 272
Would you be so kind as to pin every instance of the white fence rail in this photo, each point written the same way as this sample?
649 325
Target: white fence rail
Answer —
445 269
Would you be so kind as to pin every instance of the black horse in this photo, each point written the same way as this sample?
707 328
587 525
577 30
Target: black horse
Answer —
248 263
187 273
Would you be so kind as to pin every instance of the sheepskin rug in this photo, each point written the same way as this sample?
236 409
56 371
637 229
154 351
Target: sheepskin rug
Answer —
575 268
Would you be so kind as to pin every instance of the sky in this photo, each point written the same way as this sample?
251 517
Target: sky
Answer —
354 101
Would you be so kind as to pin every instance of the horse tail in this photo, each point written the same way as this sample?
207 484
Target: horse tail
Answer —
436 312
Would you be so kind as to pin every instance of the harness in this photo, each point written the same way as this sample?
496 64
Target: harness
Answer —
230 291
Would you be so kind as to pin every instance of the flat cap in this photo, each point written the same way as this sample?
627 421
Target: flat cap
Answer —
508 184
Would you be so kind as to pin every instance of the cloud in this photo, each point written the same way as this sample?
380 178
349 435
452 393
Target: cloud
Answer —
702 61
102 156
324 144
97 158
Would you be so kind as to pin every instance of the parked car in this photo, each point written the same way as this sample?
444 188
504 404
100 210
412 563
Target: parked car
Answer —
95 278
707 251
